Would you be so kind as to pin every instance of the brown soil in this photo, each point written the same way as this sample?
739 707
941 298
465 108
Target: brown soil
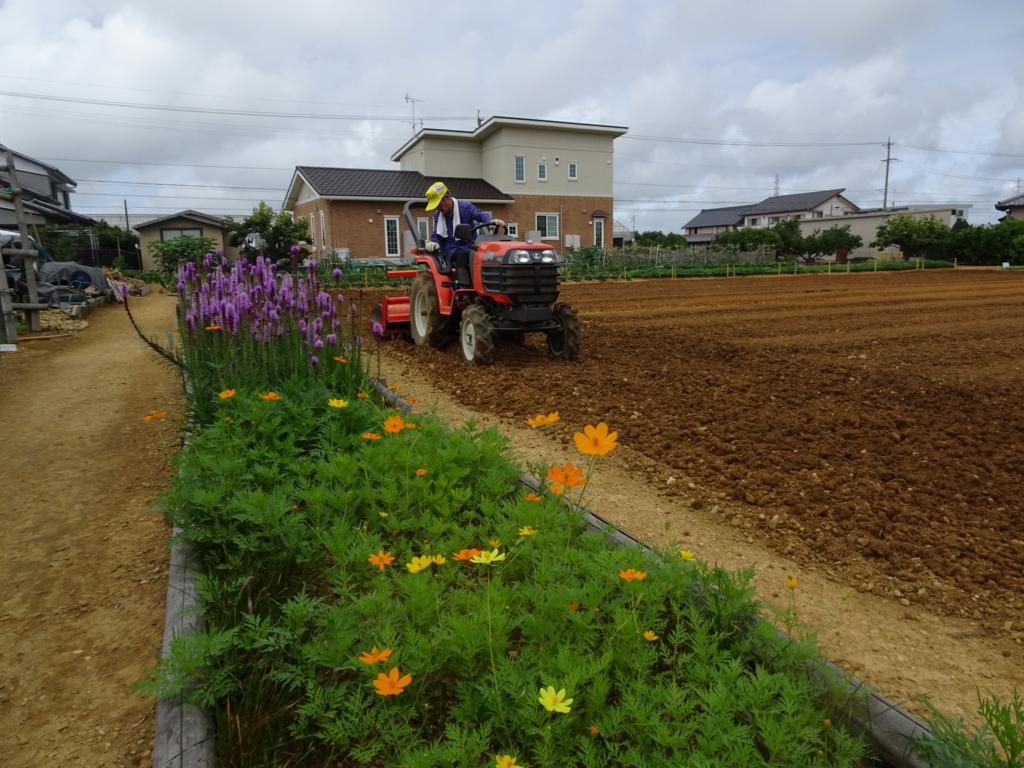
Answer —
862 432
83 559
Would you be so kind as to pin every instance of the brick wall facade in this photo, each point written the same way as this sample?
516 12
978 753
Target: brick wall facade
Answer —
359 225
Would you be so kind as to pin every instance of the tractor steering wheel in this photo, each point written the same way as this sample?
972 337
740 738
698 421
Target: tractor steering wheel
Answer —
478 227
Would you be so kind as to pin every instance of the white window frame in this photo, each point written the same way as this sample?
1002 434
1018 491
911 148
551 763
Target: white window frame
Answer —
774 219
423 226
181 231
755 221
323 231
547 228
599 227
312 230
573 170
388 220
818 214
542 171
520 169
513 229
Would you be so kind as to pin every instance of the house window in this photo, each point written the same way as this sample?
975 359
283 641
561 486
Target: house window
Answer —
573 172
774 219
391 235
170 234
323 231
818 214
599 233
424 227
754 221
408 165
312 230
802 216
513 230
547 225
542 171
520 168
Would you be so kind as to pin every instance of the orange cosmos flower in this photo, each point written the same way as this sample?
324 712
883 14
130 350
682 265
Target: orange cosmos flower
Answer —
393 386
534 497
341 359
270 396
394 424
593 730
391 684
374 656
466 554
361 394
381 559
228 393
574 605
596 440
213 327
629 575
412 401
371 436
154 415
421 472
563 477
227 418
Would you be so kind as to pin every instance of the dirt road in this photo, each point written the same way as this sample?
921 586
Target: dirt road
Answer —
83 559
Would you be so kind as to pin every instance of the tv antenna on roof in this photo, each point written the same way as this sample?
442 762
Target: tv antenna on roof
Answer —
410 100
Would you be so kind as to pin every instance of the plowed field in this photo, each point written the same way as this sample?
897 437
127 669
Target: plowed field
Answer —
871 423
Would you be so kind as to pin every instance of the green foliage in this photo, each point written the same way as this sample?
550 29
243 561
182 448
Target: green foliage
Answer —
64 243
988 244
831 241
748 239
170 253
917 238
670 241
276 233
999 743
588 256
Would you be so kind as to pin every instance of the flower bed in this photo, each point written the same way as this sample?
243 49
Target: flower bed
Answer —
378 590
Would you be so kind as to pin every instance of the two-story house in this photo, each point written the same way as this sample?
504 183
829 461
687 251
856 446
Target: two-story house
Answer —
548 180
805 205
46 194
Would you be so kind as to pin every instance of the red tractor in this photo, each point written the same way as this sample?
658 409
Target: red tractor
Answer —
514 290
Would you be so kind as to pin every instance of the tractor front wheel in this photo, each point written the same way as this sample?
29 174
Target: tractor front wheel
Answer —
477 336
429 327
565 342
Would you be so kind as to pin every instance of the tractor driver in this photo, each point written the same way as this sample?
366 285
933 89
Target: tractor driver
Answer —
449 214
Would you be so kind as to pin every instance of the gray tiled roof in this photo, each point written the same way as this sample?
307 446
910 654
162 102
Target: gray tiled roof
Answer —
1002 205
719 217
803 201
402 185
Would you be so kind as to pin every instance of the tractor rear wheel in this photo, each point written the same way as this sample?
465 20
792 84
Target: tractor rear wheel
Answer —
477 336
429 327
565 342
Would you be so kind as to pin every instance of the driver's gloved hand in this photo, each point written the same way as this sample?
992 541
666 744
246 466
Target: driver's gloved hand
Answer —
431 247
498 222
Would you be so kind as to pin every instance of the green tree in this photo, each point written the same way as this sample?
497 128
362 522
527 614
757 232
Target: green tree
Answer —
924 238
275 234
748 239
656 239
831 241
64 242
169 253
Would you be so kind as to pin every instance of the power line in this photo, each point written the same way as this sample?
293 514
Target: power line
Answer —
169 165
210 110
720 143
169 197
163 184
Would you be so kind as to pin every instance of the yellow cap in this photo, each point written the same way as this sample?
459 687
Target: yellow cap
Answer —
435 194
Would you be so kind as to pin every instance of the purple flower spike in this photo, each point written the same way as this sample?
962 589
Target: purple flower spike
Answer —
337 273
332 339
219 252
314 359
295 249
378 329
318 344
124 290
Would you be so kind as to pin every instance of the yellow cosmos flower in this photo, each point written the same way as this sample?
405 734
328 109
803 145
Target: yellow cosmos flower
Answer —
505 761
527 530
338 403
791 582
686 554
487 558
649 635
554 702
419 563
439 559
495 543
228 393
596 440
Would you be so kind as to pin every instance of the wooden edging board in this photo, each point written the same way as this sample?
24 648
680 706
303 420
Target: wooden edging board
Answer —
185 734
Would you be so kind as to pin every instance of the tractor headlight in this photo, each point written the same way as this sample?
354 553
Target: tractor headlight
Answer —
548 256
519 257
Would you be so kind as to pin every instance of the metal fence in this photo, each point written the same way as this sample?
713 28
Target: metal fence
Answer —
655 257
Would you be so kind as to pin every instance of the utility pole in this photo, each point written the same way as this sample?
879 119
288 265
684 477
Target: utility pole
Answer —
776 185
127 224
888 160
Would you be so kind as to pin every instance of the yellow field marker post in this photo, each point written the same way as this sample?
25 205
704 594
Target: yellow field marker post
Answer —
779 270
830 267
954 262
875 268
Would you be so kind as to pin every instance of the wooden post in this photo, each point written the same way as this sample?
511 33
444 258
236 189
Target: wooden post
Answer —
875 268
28 254
9 328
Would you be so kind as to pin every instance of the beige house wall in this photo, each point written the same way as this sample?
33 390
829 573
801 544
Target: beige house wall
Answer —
150 233
866 225
556 149
442 156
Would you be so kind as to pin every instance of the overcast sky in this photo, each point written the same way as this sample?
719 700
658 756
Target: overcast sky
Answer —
719 97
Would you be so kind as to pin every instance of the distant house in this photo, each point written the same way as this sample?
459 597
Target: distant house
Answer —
805 205
1013 206
703 227
46 194
191 223
547 179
